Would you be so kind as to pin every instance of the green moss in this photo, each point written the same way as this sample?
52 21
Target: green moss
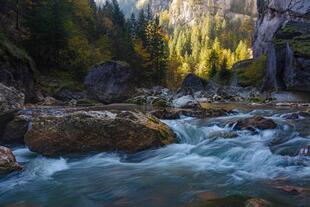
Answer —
58 80
9 52
297 36
160 103
164 134
257 100
252 74
153 119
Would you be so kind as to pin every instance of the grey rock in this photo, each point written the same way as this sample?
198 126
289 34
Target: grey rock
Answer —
110 82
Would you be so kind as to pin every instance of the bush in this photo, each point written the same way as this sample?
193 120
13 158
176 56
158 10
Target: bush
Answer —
253 74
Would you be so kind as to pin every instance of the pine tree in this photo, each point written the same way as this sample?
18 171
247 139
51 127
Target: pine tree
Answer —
223 74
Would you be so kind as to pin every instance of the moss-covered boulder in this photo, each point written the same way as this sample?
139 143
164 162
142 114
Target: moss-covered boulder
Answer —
87 131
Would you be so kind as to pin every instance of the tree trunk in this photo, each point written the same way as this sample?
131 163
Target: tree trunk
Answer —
17 14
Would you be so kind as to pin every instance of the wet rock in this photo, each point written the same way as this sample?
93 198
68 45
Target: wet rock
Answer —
292 116
253 123
7 161
305 151
87 131
110 82
231 201
234 201
223 135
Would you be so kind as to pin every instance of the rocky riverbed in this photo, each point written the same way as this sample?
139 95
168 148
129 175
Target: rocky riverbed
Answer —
210 161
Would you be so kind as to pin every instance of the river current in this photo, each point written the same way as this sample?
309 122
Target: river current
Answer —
207 163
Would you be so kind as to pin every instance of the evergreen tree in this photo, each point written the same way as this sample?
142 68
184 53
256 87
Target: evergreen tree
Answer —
224 74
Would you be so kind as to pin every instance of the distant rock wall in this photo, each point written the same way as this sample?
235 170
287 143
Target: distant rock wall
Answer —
282 33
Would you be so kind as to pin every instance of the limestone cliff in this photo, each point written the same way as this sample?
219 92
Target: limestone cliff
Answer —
282 32
190 11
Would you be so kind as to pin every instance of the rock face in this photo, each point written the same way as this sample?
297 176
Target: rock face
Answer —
282 33
81 132
7 161
110 82
15 131
17 69
11 101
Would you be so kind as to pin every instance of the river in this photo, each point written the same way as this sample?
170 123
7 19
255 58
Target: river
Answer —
207 163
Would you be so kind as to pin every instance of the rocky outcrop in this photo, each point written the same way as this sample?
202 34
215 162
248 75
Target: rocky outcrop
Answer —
17 69
110 82
7 161
87 131
253 123
282 32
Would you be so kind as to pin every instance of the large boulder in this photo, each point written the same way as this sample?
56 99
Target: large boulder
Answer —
87 131
282 33
191 84
7 161
110 82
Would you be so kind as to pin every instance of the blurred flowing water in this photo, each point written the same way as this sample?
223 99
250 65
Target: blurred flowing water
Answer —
206 160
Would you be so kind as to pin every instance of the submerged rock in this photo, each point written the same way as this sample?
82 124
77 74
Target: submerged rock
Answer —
233 201
110 82
7 161
81 132
253 123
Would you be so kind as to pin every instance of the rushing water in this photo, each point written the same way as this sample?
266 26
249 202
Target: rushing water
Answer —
203 163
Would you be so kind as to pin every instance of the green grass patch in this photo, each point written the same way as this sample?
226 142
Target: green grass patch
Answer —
252 74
